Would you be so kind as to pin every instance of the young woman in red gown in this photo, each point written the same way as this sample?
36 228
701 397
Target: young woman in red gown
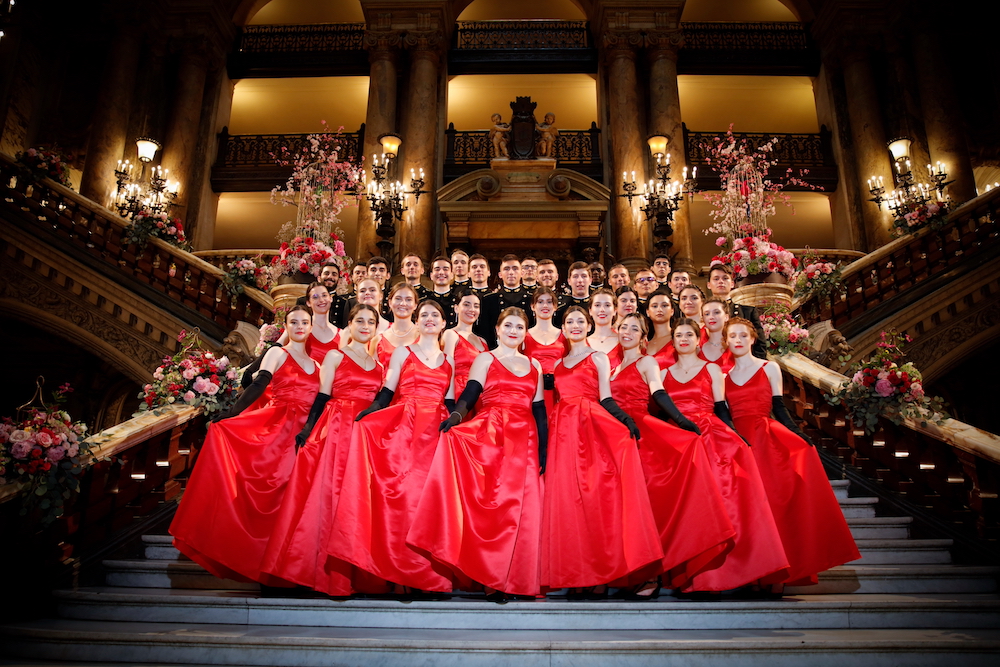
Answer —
605 336
626 302
544 342
461 345
402 332
660 311
597 523
812 526
481 510
715 314
698 390
325 336
690 300
296 552
231 502
690 514
391 451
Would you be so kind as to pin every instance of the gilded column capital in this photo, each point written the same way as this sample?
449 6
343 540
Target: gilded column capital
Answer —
431 40
663 43
617 44
383 44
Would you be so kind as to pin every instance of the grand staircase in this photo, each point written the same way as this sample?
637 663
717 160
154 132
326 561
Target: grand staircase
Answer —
903 602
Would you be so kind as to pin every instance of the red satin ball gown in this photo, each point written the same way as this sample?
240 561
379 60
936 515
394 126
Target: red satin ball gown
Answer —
391 452
317 349
694 528
465 354
812 526
726 360
231 502
757 552
481 511
297 549
597 523
383 352
547 356
666 356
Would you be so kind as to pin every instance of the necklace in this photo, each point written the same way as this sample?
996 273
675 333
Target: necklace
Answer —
422 354
402 335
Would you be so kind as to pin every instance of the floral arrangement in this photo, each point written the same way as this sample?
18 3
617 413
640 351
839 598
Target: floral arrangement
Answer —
245 272
305 256
817 277
269 335
784 333
146 225
193 376
750 255
886 386
42 453
931 214
45 163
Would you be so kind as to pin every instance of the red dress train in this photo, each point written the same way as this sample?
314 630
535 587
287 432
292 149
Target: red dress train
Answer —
690 514
812 525
296 551
480 511
231 502
465 354
390 455
757 552
597 523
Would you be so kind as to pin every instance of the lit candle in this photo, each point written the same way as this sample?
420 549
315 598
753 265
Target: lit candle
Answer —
694 172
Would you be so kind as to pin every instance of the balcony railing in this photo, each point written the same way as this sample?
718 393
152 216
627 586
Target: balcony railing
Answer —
700 36
517 35
256 39
910 262
92 231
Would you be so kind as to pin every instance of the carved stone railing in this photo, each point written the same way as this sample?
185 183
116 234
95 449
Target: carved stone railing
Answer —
911 261
246 162
951 471
180 282
298 38
468 150
222 258
748 48
138 465
515 35
745 36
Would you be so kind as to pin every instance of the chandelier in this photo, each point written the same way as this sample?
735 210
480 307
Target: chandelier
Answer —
151 193
660 197
387 198
908 194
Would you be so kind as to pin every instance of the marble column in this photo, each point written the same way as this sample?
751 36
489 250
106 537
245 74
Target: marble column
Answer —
181 140
109 129
665 118
419 147
381 118
871 155
943 121
631 231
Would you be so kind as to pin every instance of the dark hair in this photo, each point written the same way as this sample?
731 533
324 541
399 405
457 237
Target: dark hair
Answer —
624 289
701 292
473 258
401 285
358 307
411 254
643 323
739 320
542 290
313 285
434 304
529 257
463 291
512 311
577 266
725 306
579 309
720 267
440 258
333 264
670 276
378 260
662 256
510 257
605 290
688 321
299 306
660 291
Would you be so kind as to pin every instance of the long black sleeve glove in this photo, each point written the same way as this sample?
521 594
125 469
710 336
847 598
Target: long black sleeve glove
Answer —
254 391
722 412
785 418
611 406
465 402
662 399
449 405
314 412
542 424
548 381
382 400
254 366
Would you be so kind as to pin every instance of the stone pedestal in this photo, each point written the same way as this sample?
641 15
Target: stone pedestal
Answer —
763 295
287 294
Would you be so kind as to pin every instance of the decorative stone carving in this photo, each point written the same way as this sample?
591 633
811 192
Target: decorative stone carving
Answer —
547 134
498 136
523 124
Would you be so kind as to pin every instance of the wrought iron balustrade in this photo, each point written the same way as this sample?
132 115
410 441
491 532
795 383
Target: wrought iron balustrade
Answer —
516 35
745 36
260 150
301 38
797 150
571 146
911 260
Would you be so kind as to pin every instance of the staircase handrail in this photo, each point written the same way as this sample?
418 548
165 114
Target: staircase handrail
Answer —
61 207
888 270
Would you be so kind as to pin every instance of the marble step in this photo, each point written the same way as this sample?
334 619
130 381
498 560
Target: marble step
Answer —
880 528
290 646
179 574
840 487
905 551
858 508
161 547
473 613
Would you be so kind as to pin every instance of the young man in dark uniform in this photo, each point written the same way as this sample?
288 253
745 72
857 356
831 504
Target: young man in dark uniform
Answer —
442 287
510 293
720 282
579 295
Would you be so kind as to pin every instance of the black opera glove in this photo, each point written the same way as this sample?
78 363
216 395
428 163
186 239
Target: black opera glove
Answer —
722 412
254 366
254 391
473 390
611 406
314 413
449 405
382 400
783 417
542 424
548 381
663 400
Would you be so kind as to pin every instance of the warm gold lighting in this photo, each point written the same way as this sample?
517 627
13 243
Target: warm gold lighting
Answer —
658 145
900 148
390 144
147 148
